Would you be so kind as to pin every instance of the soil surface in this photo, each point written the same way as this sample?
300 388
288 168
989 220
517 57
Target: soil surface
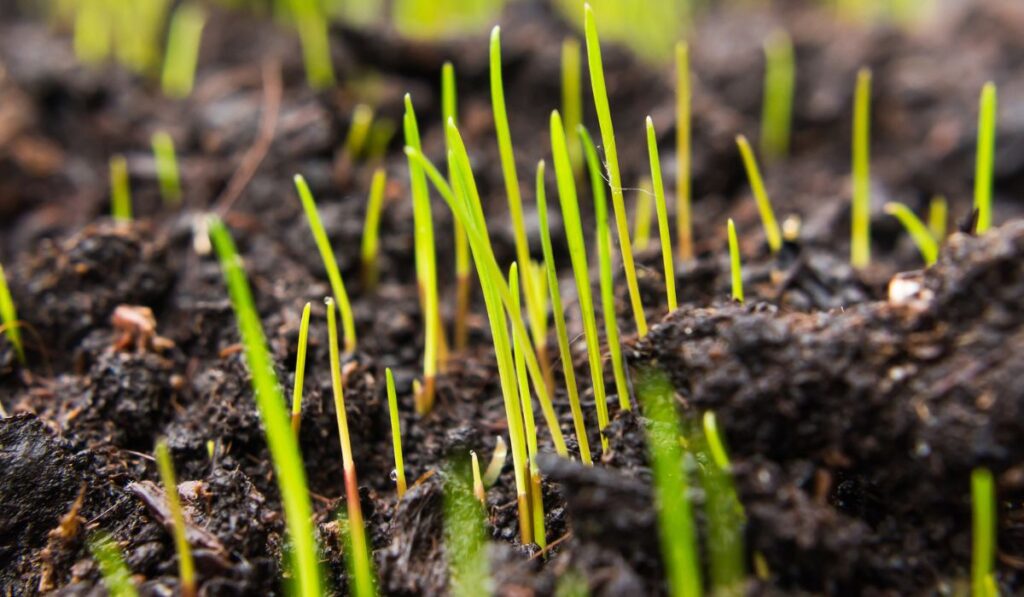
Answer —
855 404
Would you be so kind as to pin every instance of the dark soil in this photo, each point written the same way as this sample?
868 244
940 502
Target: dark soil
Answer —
853 417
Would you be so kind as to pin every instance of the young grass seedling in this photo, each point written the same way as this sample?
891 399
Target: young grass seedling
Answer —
323 244
371 230
426 266
362 572
183 39
284 447
537 316
572 97
684 226
779 82
724 513
675 517
985 165
120 190
463 287
530 428
860 241
358 131
604 257
772 232
604 118
93 32
316 48
715 444
167 173
659 201
917 229
938 215
300 370
983 559
580 267
465 535
396 434
642 215
117 579
186 566
558 312
735 266
9 318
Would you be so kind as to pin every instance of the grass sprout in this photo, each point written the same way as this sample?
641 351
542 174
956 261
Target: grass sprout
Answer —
186 566
684 223
362 583
572 97
465 535
938 216
581 269
676 527
917 229
725 515
184 36
498 458
463 269
772 232
167 172
983 558
396 434
370 249
604 118
300 370
715 444
779 83
323 244
985 165
316 48
358 131
284 447
558 313
9 318
662 208
116 577
478 481
860 240
120 190
734 264
642 215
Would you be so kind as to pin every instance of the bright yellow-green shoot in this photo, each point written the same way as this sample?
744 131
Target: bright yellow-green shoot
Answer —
558 312
362 583
300 370
724 512
985 165
604 118
777 109
183 39
323 244
120 190
381 134
358 131
580 267
662 208
93 31
369 251
735 267
117 579
9 318
917 229
537 316
186 566
938 216
530 427
316 47
983 559
860 241
396 434
463 287
572 97
642 215
684 225
715 444
426 266
675 517
772 232
167 173
284 447
604 257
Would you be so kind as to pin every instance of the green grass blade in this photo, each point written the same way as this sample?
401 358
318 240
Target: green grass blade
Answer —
917 229
300 369
450 113
684 221
186 565
465 535
323 244
779 82
120 190
284 447
358 131
860 241
370 248
184 36
116 576
572 97
167 168
983 558
659 201
396 434
9 317
938 216
985 166
604 118
316 46
772 232
642 215
734 262
724 512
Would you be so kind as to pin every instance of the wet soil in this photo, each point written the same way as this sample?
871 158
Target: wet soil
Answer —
854 407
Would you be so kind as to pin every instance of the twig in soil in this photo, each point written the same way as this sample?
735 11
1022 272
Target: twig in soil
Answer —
120 190
659 201
449 111
186 566
184 35
551 546
273 89
734 263
300 370
919 232
860 239
9 317
772 232
684 224
985 165
396 433
369 251
777 109
983 498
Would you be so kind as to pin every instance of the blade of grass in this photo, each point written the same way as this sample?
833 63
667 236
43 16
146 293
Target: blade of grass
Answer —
860 242
120 190
323 244
777 109
938 215
396 434
300 370
358 131
985 165
772 232
572 97
983 500
186 566
684 225
734 262
465 535
316 46
116 576
9 317
642 215
371 230
463 287
284 447
659 201
725 515
167 168
184 36
922 237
